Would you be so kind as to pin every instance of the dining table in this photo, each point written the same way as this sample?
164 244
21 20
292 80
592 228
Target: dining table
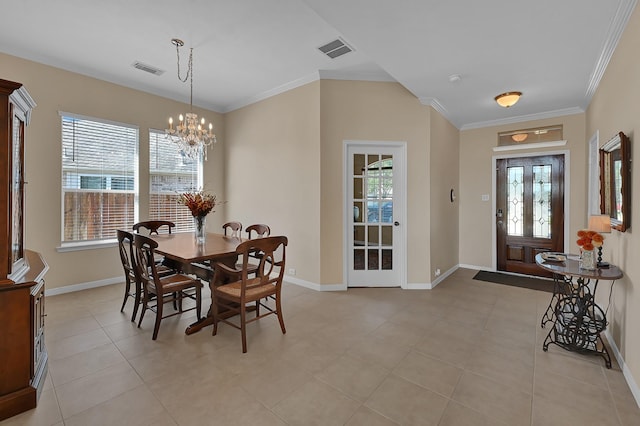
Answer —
182 251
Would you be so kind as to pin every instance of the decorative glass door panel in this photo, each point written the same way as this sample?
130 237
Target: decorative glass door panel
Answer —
542 201
529 211
373 193
515 200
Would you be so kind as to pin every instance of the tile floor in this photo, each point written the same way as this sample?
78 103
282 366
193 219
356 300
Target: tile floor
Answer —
466 353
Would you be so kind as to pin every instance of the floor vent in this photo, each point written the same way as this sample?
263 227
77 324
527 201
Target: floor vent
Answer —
335 48
147 68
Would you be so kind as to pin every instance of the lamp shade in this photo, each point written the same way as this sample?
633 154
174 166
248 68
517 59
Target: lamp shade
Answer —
600 223
508 99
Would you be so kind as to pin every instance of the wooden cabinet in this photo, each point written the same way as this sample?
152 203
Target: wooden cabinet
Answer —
23 355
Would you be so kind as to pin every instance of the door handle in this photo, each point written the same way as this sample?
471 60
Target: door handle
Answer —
499 223
396 223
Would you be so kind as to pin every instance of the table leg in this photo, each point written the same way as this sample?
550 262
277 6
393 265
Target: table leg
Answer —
559 289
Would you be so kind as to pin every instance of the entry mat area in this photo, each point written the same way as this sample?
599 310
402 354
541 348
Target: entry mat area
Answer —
515 280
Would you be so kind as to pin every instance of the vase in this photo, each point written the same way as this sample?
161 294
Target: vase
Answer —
199 224
588 260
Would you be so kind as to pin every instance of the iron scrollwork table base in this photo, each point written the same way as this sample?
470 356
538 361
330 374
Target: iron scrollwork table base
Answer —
577 320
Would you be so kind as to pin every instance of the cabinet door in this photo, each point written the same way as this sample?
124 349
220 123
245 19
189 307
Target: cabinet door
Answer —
37 295
17 200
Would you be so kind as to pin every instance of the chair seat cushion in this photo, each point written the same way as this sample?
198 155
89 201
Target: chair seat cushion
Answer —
254 290
177 282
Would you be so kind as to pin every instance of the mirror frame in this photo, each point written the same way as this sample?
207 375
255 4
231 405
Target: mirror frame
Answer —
619 142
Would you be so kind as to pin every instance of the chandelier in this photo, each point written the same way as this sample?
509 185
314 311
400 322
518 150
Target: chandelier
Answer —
190 135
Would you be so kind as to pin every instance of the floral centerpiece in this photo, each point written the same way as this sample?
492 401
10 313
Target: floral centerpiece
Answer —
587 241
200 204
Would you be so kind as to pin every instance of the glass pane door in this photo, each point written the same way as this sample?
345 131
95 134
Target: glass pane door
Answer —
372 192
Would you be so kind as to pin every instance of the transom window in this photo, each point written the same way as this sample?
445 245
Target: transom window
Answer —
99 178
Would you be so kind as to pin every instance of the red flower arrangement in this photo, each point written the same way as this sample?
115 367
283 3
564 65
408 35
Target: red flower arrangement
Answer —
587 240
200 203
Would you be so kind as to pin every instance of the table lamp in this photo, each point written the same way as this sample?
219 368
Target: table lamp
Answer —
600 223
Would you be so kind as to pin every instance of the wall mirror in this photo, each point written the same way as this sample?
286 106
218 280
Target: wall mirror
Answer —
615 181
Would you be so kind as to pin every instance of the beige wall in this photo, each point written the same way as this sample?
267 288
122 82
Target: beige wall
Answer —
303 131
445 174
615 107
373 111
56 90
291 145
476 153
273 177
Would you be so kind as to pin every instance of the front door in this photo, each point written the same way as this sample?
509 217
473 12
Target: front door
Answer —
529 211
375 211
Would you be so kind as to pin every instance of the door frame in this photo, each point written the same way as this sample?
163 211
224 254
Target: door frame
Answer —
494 183
348 209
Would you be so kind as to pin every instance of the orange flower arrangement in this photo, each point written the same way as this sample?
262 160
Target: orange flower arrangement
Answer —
200 203
587 240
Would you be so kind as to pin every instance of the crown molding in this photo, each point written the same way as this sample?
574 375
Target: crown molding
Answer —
320 75
356 75
275 91
618 24
435 104
521 118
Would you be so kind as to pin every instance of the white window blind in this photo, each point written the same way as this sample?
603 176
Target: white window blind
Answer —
171 173
99 173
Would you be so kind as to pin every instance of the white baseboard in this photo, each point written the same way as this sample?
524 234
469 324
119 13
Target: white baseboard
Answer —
315 286
82 286
635 390
476 267
443 276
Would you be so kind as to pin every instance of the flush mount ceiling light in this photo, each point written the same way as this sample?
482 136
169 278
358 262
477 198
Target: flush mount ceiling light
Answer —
519 137
508 99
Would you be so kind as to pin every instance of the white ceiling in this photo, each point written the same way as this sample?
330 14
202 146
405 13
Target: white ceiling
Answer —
245 50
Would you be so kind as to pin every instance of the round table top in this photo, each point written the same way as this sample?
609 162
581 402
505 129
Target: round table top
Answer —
570 266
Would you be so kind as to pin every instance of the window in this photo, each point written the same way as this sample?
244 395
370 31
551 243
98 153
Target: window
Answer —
99 178
527 136
171 173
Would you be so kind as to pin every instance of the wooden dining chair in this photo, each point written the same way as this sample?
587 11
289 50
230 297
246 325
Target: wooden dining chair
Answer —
154 226
157 227
241 290
260 230
233 229
132 281
162 289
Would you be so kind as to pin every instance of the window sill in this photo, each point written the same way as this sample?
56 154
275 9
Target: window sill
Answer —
66 247
534 145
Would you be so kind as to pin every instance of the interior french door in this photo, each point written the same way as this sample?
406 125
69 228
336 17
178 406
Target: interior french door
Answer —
529 211
375 215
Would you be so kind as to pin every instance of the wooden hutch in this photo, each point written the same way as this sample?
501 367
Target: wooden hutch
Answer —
23 356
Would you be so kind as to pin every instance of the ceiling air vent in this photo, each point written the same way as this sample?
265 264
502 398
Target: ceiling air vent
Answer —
147 68
335 48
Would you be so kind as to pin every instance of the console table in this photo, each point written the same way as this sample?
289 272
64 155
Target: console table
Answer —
577 319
